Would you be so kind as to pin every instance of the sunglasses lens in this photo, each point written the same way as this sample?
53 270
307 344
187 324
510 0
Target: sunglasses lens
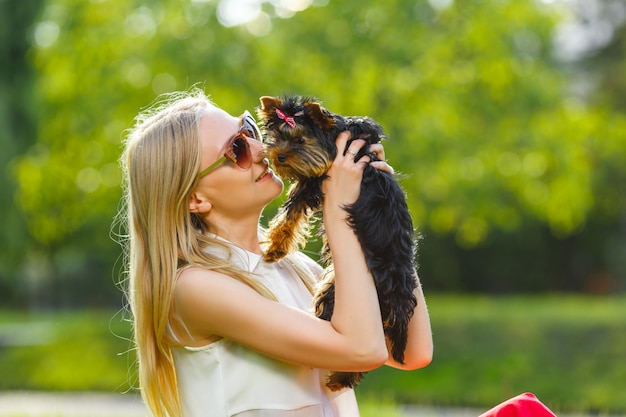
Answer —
241 150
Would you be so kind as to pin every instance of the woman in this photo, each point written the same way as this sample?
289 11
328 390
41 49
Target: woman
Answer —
218 331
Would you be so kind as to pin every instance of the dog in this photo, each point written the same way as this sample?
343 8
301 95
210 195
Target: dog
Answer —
299 136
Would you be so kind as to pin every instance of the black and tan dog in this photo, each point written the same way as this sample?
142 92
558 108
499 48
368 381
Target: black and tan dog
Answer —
299 137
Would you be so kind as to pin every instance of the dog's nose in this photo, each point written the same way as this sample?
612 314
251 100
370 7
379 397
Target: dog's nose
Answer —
282 157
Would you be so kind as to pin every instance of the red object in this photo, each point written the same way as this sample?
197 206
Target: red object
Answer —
524 405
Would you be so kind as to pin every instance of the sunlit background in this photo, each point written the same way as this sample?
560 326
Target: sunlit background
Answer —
506 120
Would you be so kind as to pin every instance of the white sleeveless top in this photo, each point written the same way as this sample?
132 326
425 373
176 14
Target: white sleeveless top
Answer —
225 379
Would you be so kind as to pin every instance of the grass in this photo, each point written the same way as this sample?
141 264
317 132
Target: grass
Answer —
570 351
67 351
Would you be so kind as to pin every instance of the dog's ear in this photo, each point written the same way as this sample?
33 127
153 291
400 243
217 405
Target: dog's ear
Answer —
269 103
319 115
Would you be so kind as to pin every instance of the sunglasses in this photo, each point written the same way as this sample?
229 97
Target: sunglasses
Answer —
238 149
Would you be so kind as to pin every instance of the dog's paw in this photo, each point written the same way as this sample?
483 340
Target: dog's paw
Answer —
339 380
273 255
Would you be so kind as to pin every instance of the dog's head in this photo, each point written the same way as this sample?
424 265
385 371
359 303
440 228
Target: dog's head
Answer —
299 135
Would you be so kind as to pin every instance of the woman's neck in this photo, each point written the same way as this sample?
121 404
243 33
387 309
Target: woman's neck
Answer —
241 233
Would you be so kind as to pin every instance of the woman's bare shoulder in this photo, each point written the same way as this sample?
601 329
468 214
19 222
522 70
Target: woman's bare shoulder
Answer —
197 282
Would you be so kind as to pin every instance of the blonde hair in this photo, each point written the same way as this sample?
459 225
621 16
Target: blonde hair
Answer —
161 162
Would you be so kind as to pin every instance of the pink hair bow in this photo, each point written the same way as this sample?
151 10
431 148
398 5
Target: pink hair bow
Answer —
288 119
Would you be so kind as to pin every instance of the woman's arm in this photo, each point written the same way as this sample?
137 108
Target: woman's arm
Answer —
213 305
356 311
419 348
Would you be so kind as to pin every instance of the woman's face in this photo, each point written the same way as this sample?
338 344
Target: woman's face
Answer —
232 190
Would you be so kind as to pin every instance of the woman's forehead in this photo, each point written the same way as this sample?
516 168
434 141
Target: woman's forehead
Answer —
218 126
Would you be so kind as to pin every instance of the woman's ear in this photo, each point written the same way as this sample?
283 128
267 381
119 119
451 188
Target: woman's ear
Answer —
198 203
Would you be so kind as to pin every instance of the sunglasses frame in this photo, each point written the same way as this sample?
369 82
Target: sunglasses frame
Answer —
248 125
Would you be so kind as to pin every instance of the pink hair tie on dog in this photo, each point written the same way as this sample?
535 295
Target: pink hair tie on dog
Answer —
288 119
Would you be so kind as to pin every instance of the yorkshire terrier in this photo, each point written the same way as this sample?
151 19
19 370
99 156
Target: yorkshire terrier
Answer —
299 137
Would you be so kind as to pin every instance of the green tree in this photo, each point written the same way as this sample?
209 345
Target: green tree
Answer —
480 117
17 131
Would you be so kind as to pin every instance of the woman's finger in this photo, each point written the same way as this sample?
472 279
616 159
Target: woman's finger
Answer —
340 142
382 166
378 150
355 146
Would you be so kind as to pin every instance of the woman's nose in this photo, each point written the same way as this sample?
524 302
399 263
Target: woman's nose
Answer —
257 149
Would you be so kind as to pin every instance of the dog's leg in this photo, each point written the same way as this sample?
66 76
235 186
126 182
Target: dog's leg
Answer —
289 229
339 380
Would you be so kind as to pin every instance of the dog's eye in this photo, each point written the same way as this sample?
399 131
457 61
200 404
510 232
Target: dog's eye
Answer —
300 141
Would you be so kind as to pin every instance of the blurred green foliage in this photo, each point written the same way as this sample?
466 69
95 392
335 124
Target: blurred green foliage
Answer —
569 351
515 178
17 130
509 171
78 351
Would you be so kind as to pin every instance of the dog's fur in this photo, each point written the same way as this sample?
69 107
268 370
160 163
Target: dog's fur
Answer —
300 141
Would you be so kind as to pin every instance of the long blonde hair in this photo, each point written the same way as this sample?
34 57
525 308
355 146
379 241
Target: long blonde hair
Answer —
161 162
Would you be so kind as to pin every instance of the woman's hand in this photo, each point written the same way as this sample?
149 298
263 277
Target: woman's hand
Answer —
343 185
380 164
